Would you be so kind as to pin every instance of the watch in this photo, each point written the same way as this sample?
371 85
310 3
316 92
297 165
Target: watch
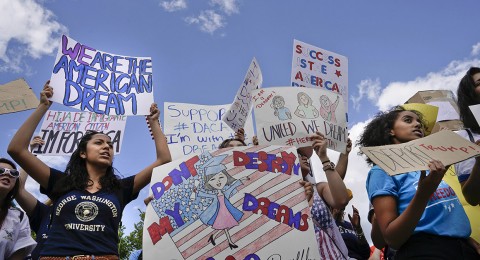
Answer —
328 166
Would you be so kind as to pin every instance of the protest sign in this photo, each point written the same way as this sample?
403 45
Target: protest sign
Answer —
16 96
237 114
318 68
63 130
234 203
290 115
191 128
476 112
100 82
445 146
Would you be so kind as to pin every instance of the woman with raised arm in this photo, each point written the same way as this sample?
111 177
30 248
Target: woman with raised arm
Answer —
88 198
417 213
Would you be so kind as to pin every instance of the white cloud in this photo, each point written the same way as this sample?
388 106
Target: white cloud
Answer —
174 5
227 6
447 79
476 49
209 21
369 88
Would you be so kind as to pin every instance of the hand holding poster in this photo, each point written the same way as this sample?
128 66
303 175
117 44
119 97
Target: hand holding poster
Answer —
191 128
290 115
445 146
314 67
238 112
63 130
100 82
226 205
16 96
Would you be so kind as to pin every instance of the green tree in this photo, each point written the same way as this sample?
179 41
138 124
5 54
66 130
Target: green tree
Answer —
133 241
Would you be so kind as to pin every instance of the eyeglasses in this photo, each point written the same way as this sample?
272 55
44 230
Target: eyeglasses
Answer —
12 172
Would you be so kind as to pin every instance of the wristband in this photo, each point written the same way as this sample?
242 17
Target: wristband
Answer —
327 161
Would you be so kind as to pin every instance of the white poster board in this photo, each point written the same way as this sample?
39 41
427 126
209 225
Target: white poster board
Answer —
236 116
192 128
264 212
63 130
445 146
290 115
100 82
315 67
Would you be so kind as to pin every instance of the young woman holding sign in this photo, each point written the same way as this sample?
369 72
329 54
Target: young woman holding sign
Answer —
88 198
417 213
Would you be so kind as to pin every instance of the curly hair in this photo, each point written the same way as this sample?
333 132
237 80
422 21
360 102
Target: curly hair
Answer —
466 97
8 201
226 142
377 132
77 177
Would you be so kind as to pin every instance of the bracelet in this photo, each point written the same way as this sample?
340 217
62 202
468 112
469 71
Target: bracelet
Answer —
327 161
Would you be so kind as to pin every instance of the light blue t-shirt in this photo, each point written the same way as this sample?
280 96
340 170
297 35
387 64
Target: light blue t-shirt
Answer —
444 214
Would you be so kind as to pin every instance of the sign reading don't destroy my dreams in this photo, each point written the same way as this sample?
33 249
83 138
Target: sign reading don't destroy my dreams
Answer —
62 130
100 82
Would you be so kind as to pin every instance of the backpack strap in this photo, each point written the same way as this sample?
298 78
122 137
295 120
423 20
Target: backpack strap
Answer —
470 135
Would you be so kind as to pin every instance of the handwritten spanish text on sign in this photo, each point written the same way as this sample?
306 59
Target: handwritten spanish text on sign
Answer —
445 146
100 82
16 96
191 128
239 111
233 203
290 115
62 130
318 68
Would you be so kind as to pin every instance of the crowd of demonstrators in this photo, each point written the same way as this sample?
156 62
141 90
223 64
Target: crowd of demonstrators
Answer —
88 199
352 233
409 218
15 242
468 171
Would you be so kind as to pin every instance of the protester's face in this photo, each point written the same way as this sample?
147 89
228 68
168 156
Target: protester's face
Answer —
304 164
7 182
218 181
99 150
476 80
234 143
407 127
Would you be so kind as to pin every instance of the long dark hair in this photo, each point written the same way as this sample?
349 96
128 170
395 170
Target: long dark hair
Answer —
8 202
77 177
377 132
466 97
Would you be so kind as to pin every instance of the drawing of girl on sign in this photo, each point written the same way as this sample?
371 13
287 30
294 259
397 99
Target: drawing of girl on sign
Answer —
221 215
327 109
305 108
278 105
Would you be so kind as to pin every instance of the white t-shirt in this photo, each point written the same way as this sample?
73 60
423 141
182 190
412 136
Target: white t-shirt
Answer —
464 168
15 234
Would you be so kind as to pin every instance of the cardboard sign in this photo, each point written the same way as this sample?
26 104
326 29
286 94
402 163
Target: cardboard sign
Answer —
17 96
445 146
234 203
191 128
315 67
290 115
63 130
100 82
237 114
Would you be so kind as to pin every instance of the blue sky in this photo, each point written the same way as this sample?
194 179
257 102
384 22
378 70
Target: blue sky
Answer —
201 50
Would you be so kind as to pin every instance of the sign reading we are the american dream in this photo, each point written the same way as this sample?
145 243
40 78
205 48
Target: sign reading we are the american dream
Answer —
315 67
63 130
192 128
100 82
290 115
233 203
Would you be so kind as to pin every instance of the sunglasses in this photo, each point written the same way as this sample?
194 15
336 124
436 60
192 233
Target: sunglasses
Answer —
12 172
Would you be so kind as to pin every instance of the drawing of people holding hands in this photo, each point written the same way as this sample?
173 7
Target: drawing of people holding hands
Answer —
221 214
305 108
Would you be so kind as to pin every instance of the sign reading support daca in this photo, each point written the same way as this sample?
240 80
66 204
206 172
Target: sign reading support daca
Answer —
63 130
100 82
234 203
290 115
314 67
191 128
